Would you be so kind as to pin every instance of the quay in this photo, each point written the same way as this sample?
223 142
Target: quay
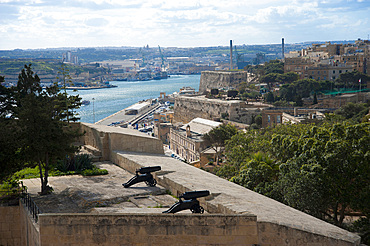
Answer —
121 118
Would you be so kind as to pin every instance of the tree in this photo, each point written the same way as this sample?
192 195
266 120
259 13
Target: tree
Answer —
351 79
314 99
274 66
270 97
63 75
325 171
353 111
9 154
269 79
299 89
40 114
218 136
289 77
322 170
258 173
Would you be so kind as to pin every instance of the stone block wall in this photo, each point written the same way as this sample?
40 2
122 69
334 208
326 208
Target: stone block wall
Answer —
29 229
147 229
275 234
188 108
221 79
10 228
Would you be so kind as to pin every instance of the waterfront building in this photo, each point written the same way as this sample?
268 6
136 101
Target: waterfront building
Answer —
137 108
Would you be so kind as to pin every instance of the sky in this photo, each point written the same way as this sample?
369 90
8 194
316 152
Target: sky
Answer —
33 24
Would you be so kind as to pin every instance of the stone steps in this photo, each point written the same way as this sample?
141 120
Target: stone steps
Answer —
94 152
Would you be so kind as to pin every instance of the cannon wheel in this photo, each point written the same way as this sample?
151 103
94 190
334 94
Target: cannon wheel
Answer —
196 209
151 183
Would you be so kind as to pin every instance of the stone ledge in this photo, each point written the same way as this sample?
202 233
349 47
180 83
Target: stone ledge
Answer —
231 198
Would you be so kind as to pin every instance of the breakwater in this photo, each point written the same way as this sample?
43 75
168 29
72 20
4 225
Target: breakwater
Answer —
107 101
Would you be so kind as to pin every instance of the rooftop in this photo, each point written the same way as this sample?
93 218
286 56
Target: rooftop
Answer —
201 126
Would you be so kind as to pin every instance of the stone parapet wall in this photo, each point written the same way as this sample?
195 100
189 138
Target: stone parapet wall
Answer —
108 138
221 79
10 228
147 229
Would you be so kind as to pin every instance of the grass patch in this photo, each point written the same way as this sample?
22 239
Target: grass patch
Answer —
79 164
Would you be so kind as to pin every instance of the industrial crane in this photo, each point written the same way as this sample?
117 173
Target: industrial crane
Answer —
160 52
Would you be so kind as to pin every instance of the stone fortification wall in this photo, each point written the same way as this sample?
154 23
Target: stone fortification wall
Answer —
147 229
30 231
10 228
17 227
277 224
107 139
221 79
188 108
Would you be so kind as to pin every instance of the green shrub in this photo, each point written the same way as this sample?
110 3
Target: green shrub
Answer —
94 171
10 191
362 227
27 173
75 163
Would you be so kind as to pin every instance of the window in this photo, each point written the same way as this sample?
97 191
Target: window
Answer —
278 120
268 118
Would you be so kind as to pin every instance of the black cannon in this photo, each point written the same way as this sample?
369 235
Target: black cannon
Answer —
190 202
144 176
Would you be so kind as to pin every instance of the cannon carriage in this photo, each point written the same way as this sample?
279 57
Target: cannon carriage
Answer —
190 202
143 175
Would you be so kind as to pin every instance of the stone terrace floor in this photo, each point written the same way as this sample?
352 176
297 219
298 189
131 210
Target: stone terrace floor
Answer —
100 194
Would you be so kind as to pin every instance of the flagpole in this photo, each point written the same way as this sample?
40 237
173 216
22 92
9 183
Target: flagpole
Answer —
358 95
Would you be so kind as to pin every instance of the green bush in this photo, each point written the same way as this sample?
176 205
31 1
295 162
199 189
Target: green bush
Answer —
27 173
94 171
75 163
78 164
362 227
10 191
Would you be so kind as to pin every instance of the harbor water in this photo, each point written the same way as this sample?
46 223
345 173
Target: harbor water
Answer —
107 101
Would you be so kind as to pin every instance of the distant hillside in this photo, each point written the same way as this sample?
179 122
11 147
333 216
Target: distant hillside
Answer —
86 55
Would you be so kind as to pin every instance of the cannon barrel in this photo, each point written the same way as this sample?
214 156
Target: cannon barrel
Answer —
149 169
194 194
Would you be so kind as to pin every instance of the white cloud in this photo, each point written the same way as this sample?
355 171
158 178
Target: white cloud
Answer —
50 23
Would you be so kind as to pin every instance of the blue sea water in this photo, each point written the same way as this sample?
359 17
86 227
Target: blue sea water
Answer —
108 101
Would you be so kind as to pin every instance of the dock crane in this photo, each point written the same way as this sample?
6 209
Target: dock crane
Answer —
143 57
162 58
